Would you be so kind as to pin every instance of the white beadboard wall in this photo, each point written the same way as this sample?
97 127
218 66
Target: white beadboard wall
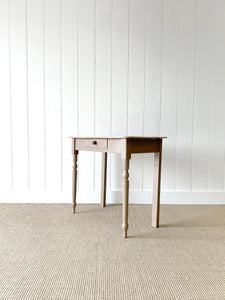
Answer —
112 67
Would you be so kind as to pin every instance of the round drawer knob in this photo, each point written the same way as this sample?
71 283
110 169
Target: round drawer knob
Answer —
94 142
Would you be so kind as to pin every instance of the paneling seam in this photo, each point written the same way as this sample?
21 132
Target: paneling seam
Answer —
178 94
128 61
211 91
44 94
27 96
61 90
94 62
162 59
111 59
94 84
77 67
145 66
144 96
194 96
10 90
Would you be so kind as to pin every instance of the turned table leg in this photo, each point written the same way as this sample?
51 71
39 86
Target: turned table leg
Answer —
74 180
104 175
125 195
156 186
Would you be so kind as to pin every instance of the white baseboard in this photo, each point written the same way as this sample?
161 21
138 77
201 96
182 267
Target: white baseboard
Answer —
135 197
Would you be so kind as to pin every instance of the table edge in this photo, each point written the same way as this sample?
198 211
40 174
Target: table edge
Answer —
118 137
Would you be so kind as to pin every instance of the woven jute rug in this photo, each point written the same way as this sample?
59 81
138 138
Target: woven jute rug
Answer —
46 252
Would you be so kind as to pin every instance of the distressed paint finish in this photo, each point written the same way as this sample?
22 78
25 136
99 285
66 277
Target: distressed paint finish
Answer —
126 146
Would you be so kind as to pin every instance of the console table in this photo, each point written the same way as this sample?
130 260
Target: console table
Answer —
125 146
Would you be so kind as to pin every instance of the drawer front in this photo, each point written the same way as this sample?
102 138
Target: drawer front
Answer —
91 144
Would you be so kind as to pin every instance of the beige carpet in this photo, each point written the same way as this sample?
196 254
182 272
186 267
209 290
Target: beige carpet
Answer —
46 252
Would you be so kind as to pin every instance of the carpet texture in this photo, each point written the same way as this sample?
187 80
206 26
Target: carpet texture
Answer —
46 252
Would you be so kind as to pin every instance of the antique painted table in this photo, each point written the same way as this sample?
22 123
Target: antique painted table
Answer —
125 146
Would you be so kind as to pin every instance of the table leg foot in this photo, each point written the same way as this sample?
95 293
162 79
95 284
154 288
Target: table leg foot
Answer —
125 228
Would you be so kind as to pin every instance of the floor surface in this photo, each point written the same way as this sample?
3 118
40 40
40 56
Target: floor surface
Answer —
46 252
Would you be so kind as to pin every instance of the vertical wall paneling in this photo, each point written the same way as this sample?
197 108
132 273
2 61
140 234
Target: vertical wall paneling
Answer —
5 99
153 74
53 94
136 86
217 121
35 89
188 15
111 67
204 44
86 27
170 90
69 85
18 55
120 42
102 77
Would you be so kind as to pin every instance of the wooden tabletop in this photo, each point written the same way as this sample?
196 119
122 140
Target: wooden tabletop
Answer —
118 137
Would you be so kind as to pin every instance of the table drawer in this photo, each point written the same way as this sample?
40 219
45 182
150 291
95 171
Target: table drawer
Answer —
91 144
